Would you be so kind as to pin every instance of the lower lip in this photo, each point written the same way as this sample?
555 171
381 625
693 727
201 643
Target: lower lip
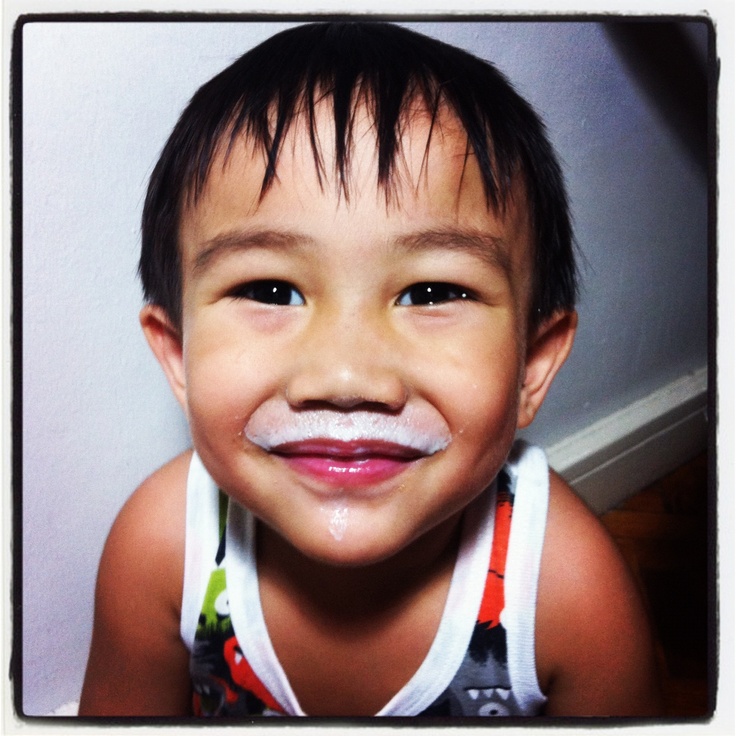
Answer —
347 474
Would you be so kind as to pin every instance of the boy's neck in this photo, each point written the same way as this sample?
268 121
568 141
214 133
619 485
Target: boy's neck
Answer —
358 592
349 638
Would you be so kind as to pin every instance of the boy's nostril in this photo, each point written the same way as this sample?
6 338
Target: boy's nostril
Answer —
376 400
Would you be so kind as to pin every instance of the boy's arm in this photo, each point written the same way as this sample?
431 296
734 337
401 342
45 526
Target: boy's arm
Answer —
138 664
594 648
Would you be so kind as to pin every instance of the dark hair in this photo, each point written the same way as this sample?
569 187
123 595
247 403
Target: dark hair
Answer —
387 68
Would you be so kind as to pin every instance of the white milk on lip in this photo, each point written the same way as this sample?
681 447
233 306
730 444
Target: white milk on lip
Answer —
270 427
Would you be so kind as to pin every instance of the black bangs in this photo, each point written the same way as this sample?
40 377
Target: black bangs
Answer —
388 71
378 67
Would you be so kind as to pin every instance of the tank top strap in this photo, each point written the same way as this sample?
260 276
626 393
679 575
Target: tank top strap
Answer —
494 596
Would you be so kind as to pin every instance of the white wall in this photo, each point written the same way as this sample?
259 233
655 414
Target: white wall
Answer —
99 100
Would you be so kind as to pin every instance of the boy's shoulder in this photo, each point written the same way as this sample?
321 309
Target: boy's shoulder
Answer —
157 508
594 647
137 655
145 546
167 485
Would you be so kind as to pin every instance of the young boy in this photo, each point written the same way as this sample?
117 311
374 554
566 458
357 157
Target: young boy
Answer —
358 266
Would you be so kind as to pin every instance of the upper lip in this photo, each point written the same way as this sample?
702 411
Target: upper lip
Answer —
353 450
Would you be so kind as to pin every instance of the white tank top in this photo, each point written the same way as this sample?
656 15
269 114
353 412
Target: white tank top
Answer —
482 660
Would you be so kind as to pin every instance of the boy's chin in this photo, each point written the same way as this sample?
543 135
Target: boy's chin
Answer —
347 558
349 539
350 550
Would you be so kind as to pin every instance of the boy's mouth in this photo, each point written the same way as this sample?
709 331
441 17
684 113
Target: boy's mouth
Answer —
350 449
347 464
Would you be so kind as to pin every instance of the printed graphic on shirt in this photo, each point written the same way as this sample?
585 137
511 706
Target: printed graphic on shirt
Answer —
225 684
482 686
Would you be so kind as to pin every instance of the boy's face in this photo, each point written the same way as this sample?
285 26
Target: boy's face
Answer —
305 306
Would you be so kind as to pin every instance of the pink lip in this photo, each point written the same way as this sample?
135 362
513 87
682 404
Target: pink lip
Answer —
347 464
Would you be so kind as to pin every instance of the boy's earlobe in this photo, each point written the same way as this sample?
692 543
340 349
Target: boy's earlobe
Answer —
165 341
547 349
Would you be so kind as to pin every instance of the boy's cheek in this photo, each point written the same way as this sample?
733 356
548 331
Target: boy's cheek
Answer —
481 405
219 392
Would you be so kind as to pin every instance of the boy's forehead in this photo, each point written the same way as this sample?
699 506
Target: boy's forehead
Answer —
435 178
432 151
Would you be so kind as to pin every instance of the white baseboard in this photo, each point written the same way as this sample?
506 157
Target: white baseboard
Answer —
67 709
624 452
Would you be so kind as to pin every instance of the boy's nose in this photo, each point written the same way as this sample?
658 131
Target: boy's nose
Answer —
347 363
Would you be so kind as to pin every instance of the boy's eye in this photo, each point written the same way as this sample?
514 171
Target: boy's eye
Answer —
429 293
270 291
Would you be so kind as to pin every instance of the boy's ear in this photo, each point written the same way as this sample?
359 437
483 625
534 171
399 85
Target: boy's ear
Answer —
547 349
166 342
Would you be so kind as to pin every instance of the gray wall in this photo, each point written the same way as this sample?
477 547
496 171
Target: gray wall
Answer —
99 100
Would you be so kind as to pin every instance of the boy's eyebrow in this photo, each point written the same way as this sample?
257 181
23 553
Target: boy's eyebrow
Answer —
489 248
486 247
243 240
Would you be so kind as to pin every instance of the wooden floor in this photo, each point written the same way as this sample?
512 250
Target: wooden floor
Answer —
663 534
